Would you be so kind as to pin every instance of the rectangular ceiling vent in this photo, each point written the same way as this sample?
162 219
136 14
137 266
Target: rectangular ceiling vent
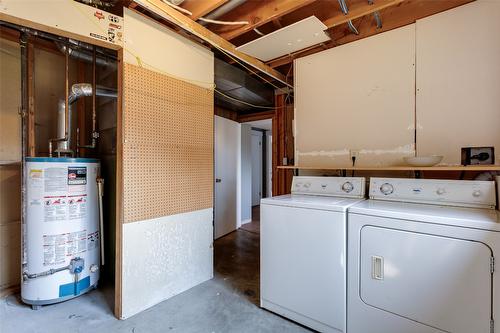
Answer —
294 37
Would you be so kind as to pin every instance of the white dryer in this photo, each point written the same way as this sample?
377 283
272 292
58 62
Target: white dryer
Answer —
421 258
303 251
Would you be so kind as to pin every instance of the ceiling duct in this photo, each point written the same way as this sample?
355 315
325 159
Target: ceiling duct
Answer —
227 7
239 85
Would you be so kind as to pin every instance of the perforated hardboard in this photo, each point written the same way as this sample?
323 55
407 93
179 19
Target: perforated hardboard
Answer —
168 145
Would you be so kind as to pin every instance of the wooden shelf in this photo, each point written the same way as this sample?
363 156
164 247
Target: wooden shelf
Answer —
401 168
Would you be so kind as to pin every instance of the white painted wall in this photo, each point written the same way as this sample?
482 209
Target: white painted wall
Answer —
168 255
256 167
458 81
246 174
359 96
227 156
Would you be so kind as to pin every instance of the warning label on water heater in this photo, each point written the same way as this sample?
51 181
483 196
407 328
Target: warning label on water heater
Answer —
57 247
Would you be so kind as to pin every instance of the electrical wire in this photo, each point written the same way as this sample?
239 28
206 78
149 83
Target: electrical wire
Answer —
179 8
222 22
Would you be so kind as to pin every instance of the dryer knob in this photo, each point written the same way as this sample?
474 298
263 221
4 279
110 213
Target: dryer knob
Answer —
386 188
476 193
347 187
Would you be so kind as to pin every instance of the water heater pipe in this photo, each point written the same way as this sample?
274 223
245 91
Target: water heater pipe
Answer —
100 193
65 138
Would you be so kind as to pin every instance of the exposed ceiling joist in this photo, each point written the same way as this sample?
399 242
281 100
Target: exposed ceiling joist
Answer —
257 14
200 8
359 11
395 16
179 19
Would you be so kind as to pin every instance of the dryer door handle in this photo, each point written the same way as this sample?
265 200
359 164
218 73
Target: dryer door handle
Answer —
377 268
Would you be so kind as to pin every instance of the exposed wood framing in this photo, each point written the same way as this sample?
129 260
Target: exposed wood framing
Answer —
257 14
359 11
179 19
243 118
119 190
394 16
31 99
283 145
201 8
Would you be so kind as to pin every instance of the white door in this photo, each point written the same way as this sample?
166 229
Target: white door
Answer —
442 282
226 163
256 167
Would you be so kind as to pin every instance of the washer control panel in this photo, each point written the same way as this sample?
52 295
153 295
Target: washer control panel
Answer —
461 193
352 187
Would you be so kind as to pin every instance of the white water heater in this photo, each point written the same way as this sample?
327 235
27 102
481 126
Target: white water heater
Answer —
61 238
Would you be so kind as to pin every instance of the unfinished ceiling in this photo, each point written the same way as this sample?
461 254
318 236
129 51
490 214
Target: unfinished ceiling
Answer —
345 20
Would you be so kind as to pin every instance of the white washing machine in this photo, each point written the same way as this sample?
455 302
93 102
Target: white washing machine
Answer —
421 258
303 251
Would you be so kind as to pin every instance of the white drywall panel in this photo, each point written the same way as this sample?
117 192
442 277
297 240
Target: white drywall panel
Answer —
294 37
67 18
157 48
458 81
359 96
165 256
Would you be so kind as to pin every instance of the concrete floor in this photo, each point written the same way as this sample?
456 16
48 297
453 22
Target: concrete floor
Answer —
227 303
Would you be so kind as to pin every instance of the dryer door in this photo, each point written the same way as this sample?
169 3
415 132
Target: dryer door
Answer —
442 282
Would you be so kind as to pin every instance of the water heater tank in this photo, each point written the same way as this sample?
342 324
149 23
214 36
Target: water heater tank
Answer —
61 229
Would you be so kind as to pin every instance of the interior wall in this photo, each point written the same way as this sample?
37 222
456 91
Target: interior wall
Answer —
165 254
459 107
358 97
256 167
246 173
10 166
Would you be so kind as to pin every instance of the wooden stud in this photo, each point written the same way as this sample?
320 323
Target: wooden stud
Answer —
246 117
119 190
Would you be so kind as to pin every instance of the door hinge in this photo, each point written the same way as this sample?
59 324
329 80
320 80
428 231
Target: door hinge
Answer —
492 326
492 265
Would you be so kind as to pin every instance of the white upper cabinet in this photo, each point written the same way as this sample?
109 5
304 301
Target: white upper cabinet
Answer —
458 81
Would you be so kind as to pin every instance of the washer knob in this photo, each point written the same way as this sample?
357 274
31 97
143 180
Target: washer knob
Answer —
347 187
476 193
441 191
386 188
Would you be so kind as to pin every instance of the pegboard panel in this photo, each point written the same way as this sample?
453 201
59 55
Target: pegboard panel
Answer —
168 145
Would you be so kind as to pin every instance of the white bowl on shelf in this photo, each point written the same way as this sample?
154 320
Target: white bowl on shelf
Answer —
423 161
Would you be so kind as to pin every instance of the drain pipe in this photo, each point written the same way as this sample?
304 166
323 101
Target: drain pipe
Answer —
343 8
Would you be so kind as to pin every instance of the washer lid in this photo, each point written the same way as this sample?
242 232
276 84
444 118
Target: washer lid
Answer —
478 218
311 201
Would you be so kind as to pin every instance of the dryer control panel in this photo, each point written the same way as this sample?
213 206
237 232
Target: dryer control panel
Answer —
460 193
349 187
